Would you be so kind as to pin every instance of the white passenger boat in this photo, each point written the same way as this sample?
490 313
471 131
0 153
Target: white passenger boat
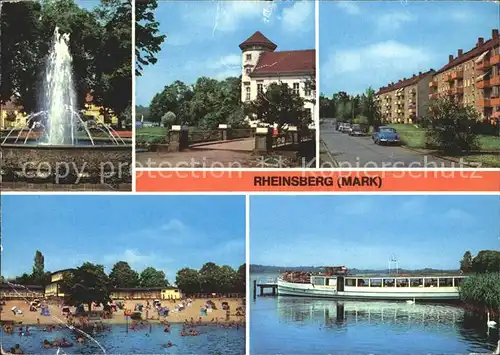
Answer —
340 285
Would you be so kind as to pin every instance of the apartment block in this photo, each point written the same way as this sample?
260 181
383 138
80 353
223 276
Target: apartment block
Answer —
472 78
406 100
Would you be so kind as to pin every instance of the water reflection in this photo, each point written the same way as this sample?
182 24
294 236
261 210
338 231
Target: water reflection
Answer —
366 327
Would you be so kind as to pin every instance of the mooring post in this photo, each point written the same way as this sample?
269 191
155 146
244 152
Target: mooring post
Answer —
254 289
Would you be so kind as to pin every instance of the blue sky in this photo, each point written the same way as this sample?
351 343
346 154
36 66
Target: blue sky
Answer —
368 43
203 38
365 231
165 232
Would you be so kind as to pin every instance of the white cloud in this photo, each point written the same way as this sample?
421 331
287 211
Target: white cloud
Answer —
133 257
225 62
227 16
356 207
393 20
299 17
376 59
216 67
177 39
174 225
459 215
349 7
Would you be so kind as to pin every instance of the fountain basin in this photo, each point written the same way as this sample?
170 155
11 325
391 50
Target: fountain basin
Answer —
66 164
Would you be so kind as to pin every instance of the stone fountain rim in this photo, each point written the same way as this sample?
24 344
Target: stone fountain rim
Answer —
120 147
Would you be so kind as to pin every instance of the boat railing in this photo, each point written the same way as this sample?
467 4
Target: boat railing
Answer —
268 281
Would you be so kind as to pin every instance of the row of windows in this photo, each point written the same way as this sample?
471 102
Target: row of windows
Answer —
296 90
410 282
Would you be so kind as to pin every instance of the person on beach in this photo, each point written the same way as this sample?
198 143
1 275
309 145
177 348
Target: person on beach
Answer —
17 349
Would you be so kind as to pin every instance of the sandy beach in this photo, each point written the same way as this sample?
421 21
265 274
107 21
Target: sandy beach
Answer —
118 317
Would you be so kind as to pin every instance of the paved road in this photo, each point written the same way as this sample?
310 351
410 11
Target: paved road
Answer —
361 152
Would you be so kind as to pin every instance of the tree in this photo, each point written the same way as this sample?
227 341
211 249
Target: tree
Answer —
20 48
486 261
174 98
85 285
453 127
370 109
150 277
227 279
188 281
241 279
147 41
280 105
113 66
122 275
210 277
466 262
38 273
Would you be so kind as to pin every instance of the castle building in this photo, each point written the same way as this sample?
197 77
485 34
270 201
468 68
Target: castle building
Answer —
263 65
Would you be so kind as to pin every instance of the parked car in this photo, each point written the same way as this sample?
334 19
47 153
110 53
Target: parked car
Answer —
356 130
346 128
386 135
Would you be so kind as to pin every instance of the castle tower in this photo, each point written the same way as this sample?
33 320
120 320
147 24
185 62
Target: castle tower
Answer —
251 49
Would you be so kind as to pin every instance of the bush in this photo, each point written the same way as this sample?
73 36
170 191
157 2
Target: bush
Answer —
453 127
481 291
168 119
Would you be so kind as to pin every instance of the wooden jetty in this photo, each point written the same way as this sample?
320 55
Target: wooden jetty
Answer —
264 285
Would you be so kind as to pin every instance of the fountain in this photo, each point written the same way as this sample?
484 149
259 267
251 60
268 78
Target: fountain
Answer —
58 134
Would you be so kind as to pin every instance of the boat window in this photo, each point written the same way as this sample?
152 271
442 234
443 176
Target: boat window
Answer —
402 283
445 282
332 282
458 281
388 282
430 283
350 282
363 282
319 281
375 282
416 282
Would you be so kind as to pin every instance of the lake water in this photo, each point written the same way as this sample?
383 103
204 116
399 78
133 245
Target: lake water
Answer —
299 325
211 341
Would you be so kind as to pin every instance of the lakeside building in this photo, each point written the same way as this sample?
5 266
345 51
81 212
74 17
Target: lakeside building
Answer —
161 293
93 111
53 289
406 100
473 77
11 114
20 292
263 65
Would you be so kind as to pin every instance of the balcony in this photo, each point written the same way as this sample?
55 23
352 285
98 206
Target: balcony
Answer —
495 59
433 83
483 65
457 91
492 81
457 75
495 101
483 102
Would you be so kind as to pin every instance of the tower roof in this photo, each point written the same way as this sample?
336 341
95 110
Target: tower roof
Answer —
258 39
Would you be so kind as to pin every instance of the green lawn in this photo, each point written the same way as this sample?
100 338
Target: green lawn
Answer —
414 137
152 131
150 135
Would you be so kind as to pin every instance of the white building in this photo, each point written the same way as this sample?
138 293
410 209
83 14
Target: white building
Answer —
263 65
